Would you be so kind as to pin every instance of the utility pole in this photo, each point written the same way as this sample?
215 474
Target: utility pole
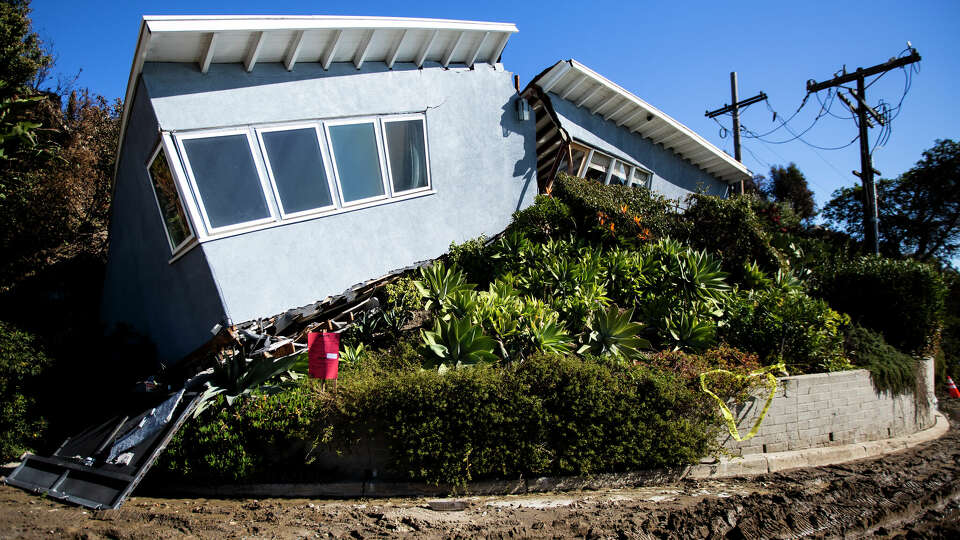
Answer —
871 229
735 109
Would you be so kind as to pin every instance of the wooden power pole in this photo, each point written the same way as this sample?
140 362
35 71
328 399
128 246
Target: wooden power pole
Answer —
871 232
735 109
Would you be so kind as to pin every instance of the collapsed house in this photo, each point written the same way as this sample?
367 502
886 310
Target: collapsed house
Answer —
267 163
588 126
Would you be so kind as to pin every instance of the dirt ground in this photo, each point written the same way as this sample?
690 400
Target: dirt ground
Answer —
911 494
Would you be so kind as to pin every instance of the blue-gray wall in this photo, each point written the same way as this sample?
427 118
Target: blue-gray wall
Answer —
673 177
482 165
175 304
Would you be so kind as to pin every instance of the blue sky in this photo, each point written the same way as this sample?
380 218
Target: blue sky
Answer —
675 55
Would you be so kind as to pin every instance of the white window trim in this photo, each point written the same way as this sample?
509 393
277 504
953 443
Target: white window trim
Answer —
386 151
378 136
265 189
629 166
182 246
273 181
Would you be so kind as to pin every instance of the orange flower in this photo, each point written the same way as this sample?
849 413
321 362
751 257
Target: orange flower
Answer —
611 226
623 208
636 219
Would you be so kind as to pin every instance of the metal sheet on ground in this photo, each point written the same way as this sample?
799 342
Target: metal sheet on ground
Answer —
85 470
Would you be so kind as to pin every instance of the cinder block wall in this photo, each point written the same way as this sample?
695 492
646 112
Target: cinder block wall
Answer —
829 409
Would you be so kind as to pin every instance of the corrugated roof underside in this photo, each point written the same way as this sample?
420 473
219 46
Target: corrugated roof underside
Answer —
583 87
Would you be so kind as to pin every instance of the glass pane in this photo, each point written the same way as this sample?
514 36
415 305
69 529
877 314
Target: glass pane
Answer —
227 179
408 159
171 209
595 174
640 177
297 167
600 161
619 176
355 151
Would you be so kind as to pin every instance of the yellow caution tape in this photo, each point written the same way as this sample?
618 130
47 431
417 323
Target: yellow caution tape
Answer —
725 411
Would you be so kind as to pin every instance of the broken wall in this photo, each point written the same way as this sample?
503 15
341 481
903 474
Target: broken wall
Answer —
482 164
673 177
174 303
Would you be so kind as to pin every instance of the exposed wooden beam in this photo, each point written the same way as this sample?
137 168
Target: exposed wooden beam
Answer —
447 56
589 95
327 57
363 48
629 117
254 52
395 49
425 50
604 103
616 111
293 51
572 88
498 50
208 53
561 70
472 57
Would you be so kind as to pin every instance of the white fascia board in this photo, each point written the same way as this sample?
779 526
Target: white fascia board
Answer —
662 116
216 23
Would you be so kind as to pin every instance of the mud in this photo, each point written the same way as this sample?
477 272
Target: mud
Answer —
910 494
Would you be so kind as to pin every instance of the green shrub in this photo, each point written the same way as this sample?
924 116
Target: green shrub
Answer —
890 370
472 257
260 438
732 230
791 326
548 217
22 363
550 414
902 300
635 214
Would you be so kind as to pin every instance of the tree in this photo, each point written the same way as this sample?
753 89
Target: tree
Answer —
919 212
22 54
788 185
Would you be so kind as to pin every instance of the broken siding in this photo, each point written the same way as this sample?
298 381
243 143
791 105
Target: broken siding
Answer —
673 177
481 158
175 304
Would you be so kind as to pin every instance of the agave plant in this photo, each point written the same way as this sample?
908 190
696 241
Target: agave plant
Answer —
234 375
550 337
612 334
754 277
461 304
353 355
438 283
688 332
458 342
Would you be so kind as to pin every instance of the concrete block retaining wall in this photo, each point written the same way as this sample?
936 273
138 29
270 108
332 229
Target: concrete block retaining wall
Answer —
830 409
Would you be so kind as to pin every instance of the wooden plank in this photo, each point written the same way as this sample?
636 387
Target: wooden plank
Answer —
293 51
363 48
331 50
208 53
395 49
425 50
472 57
254 52
447 56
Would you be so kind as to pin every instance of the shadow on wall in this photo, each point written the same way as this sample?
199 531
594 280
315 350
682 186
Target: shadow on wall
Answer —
525 167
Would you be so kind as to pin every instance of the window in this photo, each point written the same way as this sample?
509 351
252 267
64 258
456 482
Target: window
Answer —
579 153
406 154
641 177
226 180
357 160
296 166
260 175
168 201
597 167
619 175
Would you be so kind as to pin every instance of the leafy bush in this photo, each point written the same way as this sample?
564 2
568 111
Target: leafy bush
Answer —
732 230
548 217
890 370
260 438
473 259
791 326
902 300
633 213
22 363
438 283
611 333
455 342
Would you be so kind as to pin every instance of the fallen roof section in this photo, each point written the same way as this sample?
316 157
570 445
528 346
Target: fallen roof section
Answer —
101 466
578 84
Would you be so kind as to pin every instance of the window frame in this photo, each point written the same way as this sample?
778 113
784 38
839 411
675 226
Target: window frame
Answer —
265 189
385 180
324 157
386 151
192 236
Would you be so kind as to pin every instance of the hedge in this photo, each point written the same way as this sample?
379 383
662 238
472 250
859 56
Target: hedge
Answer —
22 363
902 300
549 415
